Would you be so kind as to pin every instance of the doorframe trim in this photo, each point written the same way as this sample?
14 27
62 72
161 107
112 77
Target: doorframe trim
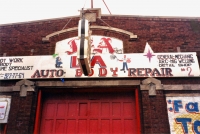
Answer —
38 112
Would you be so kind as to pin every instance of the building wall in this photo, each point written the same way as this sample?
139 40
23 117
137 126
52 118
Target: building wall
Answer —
163 35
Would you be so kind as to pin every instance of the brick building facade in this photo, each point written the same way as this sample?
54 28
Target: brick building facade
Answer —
165 35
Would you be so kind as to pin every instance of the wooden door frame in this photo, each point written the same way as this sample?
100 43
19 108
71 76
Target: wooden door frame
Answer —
133 85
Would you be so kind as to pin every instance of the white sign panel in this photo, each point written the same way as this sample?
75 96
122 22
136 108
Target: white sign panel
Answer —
184 115
105 65
4 108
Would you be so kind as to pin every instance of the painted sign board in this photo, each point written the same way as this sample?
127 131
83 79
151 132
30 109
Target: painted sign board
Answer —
184 115
105 65
107 60
4 108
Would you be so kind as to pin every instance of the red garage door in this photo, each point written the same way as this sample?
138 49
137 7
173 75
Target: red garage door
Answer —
89 113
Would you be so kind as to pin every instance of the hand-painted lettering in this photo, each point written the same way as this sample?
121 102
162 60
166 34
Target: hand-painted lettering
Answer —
145 72
114 71
192 107
102 72
48 73
74 62
97 60
16 60
184 122
14 75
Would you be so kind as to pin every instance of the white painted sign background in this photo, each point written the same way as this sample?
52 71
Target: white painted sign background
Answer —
138 65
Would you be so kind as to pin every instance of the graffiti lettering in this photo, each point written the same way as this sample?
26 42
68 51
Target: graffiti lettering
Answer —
185 121
183 115
190 107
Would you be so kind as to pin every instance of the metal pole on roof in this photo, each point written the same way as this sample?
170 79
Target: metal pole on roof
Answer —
91 3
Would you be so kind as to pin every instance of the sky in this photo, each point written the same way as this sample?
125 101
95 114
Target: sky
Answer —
12 11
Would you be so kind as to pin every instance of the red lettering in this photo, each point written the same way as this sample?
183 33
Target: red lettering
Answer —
107 45
73 46
74 63
102 72
78 73
91 72
97 59
114 71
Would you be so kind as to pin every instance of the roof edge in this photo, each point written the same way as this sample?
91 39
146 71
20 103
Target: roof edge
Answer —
169 18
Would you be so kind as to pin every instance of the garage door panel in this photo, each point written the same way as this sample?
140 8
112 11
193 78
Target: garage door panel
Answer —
61 109
129 127
117 126
82 126
47 127
72 109
116 109
93 126
71 126
89 113
128 109
94 109
105 126
105 109
50 109
83 109
59 126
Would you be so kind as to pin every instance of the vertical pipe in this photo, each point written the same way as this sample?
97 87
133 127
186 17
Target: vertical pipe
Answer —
137 111
37 118
5 129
